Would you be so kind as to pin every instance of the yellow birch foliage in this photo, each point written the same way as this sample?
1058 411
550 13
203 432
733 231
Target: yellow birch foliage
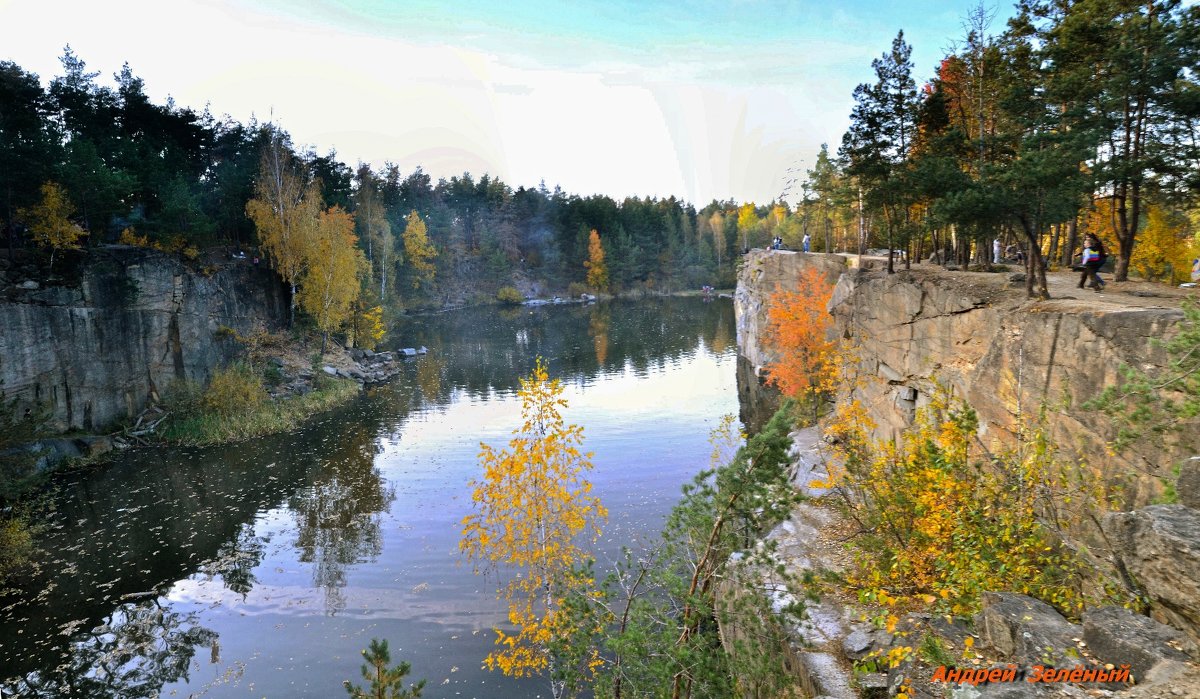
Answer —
1165 248
806 359
284 213
49 220
418 250
597 271
939 527
331 281
532 506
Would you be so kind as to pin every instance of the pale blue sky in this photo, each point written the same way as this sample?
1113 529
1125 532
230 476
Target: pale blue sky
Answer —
701 100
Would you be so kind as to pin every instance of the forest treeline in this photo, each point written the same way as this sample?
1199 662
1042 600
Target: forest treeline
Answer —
113 166
1079 116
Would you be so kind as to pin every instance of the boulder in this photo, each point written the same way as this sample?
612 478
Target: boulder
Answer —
1188 485
356 354
94 445
1118 636
407 352
1159 547
29 285
329 370
1027 629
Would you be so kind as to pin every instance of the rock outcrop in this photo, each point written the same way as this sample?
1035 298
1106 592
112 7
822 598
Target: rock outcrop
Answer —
1159 547
981 339
1011 358
93 352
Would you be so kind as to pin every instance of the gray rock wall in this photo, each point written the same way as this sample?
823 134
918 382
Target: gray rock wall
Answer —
136 320
981 339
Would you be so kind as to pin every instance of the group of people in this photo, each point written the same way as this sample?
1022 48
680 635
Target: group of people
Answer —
1092 258
1012 252
805 244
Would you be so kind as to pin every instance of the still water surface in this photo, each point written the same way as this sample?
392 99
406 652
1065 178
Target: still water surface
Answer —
263 568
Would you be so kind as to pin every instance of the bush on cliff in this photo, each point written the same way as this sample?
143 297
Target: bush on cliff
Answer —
940 520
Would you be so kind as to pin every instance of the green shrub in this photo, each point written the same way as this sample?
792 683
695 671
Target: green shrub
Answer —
509 295
577 289
233 390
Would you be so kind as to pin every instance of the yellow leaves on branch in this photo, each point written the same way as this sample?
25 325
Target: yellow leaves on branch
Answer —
942 521
284 211
531 508
798 329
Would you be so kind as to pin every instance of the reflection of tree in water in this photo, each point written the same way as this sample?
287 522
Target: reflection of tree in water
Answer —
236 560
598 329
429 377
141 647
338 516
720 336
486 349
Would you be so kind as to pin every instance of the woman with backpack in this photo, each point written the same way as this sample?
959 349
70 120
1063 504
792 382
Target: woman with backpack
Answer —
1093 259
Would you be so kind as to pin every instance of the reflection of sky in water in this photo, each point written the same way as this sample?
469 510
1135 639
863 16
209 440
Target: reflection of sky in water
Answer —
295 625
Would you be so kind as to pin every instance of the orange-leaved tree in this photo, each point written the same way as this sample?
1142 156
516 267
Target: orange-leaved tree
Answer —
597 271
532 507
807 361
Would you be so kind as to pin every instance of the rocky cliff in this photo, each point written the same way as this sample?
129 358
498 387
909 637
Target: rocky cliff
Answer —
978 336
126 324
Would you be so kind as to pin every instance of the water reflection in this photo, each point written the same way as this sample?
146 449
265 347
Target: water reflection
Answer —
338 514
351 523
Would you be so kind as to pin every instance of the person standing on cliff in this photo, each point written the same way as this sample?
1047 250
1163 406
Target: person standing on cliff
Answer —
996 251
807 242
1093 259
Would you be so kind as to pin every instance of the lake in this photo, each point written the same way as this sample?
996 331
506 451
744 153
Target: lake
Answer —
263 568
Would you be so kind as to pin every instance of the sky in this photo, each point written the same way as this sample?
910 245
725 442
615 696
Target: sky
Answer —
702 100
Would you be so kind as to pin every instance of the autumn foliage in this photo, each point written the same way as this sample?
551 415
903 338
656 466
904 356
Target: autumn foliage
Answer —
49 220
940 520
597 271
798 325
532 507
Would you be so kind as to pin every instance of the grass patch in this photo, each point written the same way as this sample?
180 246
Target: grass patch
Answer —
200 425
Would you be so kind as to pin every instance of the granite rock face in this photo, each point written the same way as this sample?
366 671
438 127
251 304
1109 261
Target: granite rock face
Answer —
984 342
1027 629
1118 636
93 353
1009 357
1159 546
